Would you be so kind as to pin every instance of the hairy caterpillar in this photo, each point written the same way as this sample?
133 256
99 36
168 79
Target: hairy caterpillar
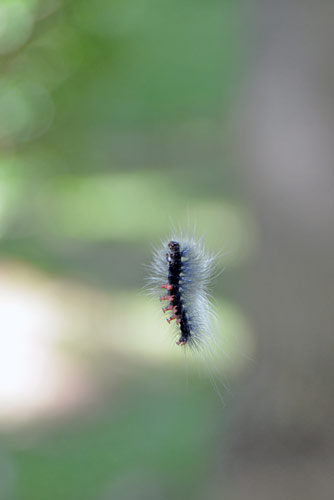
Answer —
184 269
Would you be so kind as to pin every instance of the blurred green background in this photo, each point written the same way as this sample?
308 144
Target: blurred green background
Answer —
113 128
120 120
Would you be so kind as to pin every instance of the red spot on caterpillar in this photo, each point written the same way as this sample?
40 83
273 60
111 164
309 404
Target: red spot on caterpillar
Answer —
168 287
166 297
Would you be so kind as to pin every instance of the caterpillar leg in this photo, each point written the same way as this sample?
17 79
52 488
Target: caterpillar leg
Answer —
166 297
181 341
178 320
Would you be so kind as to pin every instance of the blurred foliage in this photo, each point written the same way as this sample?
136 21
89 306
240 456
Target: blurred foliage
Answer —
113 129
152 441
90 89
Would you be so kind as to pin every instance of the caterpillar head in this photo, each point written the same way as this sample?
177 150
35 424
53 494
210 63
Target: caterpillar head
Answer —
174 246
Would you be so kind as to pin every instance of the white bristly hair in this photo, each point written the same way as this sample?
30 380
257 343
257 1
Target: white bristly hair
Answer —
197 272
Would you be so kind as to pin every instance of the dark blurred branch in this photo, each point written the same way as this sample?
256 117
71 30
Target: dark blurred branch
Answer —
281 441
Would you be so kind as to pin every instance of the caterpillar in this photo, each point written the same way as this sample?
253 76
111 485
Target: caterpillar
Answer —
184 269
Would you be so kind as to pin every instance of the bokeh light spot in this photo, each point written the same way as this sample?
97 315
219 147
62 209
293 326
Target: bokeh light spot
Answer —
16 23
